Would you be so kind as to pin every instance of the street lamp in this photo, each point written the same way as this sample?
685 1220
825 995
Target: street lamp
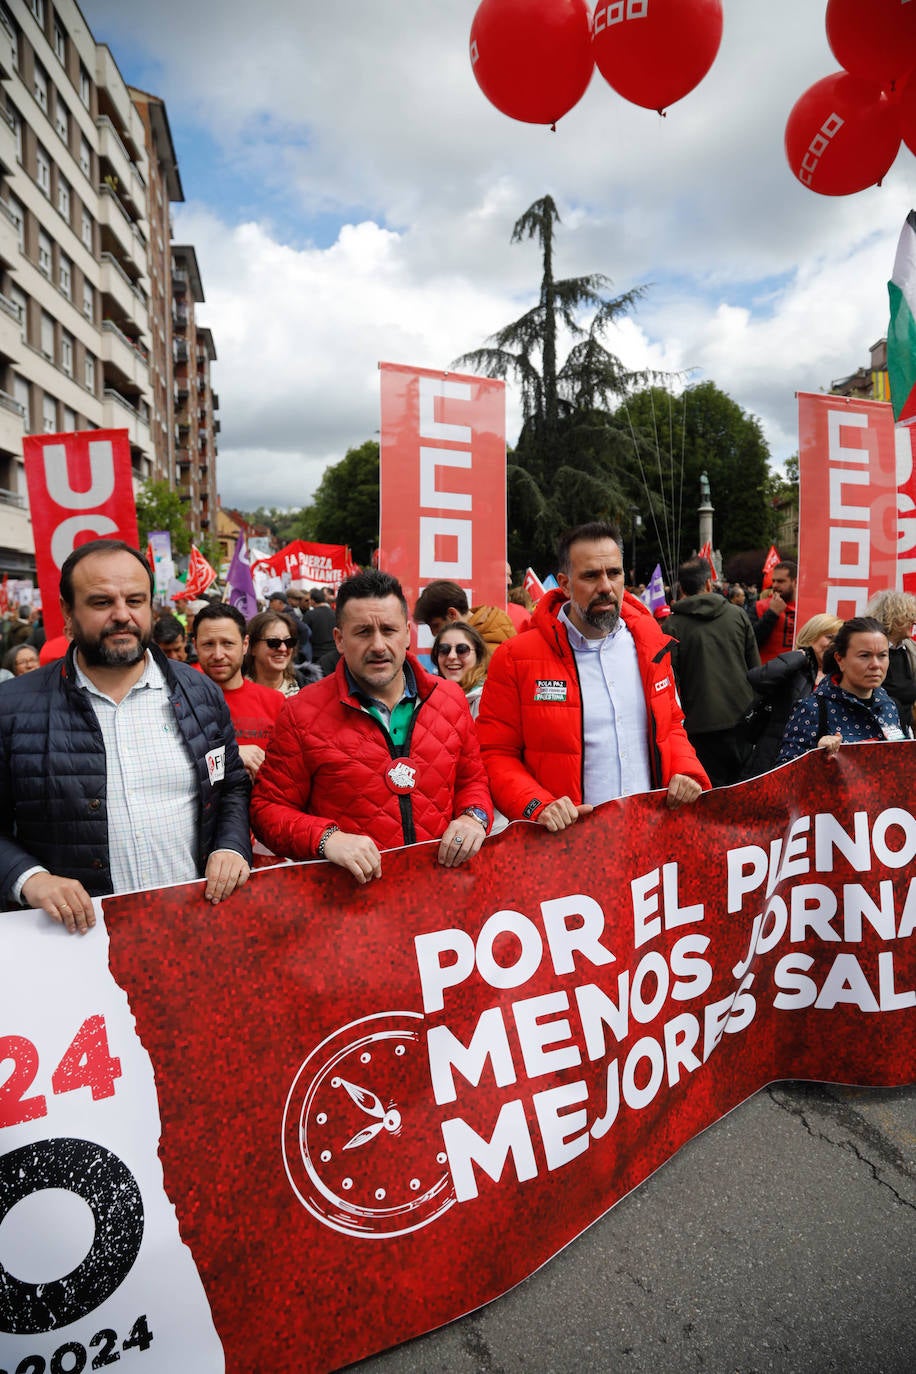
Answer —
635 527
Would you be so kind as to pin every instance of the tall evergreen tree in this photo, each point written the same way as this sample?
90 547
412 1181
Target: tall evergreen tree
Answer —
570 463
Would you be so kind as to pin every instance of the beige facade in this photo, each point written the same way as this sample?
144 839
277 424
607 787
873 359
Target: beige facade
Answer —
87 171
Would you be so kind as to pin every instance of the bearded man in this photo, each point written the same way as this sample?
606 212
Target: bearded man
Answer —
582 707
118 767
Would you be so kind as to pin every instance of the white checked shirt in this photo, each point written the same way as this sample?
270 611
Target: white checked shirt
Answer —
614 718
152 785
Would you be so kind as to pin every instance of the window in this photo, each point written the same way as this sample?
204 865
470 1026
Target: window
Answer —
65 276
40 86
63 196
62 121
85 158
49 415
43 170
86 230
66 352
18 297
38 9
69 420
89 372
88 300
16 121
47 335
60 43
44 253
85 87
18 214
21 394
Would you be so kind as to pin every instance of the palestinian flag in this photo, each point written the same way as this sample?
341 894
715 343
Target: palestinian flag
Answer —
901 332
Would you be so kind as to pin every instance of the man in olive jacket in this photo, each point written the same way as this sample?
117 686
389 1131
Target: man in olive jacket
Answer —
715 648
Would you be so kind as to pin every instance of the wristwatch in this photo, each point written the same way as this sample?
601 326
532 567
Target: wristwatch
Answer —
478 813
331 830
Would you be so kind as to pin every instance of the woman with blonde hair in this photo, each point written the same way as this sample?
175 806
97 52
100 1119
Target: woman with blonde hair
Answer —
459 653
896 611
784 680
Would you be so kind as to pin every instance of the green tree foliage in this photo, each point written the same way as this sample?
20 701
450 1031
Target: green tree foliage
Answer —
569 463
345 509
284 525
161 508
676 439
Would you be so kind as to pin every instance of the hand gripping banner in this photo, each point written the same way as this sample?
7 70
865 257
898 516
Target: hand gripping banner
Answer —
359 1087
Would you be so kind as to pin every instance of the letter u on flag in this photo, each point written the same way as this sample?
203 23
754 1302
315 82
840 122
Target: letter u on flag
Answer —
901 331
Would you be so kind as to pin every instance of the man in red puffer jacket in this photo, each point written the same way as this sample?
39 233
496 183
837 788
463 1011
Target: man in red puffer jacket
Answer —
583 708
380 754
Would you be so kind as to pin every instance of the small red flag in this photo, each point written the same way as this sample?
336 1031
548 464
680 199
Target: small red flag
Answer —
769 563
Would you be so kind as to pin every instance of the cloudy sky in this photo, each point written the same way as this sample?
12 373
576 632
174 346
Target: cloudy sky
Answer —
351 193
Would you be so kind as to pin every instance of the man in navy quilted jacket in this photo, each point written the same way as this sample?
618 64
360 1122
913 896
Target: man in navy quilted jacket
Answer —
378 755
118 769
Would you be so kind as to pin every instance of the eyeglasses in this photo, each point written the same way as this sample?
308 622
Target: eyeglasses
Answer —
462 650
275 643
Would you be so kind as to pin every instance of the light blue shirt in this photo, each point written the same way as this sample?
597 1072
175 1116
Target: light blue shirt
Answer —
615 727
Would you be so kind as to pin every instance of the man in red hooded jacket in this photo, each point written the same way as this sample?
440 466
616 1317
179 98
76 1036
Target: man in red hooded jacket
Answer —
583 707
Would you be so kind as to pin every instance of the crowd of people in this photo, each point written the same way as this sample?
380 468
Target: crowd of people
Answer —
191 743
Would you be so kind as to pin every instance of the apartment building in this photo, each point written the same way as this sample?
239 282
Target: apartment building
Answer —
87 173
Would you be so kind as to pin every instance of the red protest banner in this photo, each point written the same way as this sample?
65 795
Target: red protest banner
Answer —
847 504
403 1070
442 478
80 488
319 565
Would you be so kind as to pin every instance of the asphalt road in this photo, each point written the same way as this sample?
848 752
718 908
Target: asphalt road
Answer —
782 1239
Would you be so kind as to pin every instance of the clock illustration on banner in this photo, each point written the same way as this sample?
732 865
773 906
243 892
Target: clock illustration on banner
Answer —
362 1144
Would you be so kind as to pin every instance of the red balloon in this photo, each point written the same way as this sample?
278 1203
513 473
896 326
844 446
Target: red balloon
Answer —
532 58
906 108
653 52
842 135
875 39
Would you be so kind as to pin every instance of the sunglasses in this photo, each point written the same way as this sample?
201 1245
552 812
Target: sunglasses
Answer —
462 650
274 643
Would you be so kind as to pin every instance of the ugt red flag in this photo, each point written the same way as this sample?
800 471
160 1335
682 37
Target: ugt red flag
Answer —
200 576
769 563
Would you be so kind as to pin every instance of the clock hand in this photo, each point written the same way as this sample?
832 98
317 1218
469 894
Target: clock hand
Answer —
364 1099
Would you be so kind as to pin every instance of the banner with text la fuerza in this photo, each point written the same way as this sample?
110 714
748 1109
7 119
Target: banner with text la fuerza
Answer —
357 1088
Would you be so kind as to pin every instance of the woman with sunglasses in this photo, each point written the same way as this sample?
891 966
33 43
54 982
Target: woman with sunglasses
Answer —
273 641
459 653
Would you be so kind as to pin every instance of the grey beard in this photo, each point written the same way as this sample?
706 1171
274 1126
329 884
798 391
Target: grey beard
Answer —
604 618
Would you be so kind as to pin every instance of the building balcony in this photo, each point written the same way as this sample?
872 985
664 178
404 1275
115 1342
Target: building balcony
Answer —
114 218
12 424
120 353
130 183
10 333
118 413
7 61
127 301
180 350
115 92
10 252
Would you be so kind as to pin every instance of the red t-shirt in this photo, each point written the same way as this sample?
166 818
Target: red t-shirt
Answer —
254 710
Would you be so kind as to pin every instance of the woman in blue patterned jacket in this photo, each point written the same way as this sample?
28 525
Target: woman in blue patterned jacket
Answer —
849 705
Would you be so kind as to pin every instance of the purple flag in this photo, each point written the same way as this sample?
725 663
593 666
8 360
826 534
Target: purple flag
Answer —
654 595
239 583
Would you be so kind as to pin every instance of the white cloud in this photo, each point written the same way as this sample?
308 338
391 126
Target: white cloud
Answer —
370 114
